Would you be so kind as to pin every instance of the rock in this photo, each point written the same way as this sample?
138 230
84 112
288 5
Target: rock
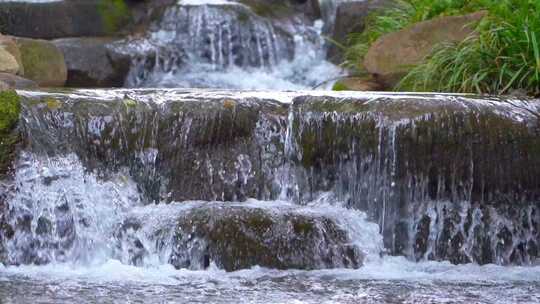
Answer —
392 55
4 86
68 18
8 63
17 82
235 143
284 8
8 44
350 18
43 62
357 84
432 160
238 237
93 62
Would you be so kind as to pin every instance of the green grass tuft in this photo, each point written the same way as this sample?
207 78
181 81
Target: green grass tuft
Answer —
503 57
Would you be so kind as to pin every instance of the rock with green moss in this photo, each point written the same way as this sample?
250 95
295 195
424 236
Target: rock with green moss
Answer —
209 148
61 19
10 108
239 237
43 62
365 83
114 14
401 158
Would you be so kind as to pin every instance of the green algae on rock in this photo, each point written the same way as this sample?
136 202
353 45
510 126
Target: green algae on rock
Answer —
10 108
238 237
114 14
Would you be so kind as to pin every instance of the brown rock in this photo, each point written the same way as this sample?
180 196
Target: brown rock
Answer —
8 44
392 55
8 63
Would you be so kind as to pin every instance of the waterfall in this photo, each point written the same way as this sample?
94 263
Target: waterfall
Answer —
156 177
224 44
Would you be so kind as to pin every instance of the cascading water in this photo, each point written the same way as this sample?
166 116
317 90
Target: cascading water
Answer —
224 44
162 191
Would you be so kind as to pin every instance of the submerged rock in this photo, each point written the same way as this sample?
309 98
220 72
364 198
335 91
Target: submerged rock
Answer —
446 177
189 147
393 155
235 237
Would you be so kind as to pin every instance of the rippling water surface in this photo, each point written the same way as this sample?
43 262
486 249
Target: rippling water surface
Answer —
389 280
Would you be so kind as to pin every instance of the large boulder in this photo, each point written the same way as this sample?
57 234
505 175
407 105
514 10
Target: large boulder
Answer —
8 44
351 18
68 18
446 177
93 62
8 63
43 62
173 149
392 55
238 237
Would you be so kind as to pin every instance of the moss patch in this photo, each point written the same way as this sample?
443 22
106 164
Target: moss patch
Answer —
340 86
10 108
43 62
114 14
52 104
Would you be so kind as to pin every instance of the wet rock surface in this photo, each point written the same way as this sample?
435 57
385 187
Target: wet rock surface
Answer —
389 156
185 148
446 177
238 237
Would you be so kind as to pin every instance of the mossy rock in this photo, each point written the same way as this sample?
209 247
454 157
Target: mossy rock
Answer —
114 14
10 108
238 237
43 62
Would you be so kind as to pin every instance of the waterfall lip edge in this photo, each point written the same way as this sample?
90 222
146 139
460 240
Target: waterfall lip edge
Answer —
524 107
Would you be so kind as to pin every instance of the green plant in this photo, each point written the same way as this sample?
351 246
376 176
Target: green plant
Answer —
401 14
503 56
339 86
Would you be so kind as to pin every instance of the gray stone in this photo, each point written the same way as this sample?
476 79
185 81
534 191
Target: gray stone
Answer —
93 62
